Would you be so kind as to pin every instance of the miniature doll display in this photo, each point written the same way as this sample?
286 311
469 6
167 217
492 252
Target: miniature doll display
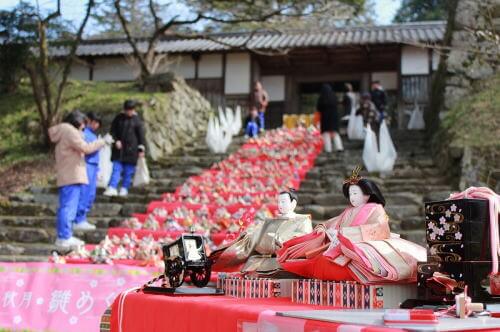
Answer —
255 250
356 245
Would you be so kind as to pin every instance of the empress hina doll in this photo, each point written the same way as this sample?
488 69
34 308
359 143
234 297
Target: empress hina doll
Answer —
356 245
255 250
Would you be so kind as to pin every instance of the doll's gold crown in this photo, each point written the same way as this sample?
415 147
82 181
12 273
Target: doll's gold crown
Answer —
355 177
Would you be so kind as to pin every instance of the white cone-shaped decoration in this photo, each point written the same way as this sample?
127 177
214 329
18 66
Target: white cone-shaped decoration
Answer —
379 160
237 121
387 154
223 119
370 150
229 119
219 134
209 139
416 118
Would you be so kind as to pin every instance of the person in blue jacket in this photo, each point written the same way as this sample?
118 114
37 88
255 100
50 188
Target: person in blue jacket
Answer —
88 191
252 123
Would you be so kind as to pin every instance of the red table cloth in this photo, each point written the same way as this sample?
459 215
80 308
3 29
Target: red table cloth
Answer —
149 312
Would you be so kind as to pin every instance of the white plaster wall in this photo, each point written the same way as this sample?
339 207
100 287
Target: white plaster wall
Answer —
184 66
237 73
388 79
79 72
414 61
275 87
114 69
210 66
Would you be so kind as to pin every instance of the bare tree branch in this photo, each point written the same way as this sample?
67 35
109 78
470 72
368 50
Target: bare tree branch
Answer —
54 14
130 39
146 58
72 52
152 9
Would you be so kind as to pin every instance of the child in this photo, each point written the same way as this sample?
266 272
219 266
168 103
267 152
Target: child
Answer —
252 123
71 172
87 195
128 133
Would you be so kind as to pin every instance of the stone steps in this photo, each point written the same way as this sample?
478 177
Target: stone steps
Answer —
27 223
29 249
10 234
50 222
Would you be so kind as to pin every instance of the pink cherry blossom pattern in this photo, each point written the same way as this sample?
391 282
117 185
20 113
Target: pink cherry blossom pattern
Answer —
442 220
447 213
430 225
446 227
456 218
458 236
432 236
440 231
453 208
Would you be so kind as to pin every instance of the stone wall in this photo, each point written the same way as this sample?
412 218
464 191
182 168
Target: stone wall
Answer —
470 56
473 56
174 119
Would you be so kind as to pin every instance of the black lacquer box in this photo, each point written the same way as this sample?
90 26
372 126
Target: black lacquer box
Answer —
458 230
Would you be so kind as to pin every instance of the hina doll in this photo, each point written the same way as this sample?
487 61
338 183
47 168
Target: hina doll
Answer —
357 245
255 249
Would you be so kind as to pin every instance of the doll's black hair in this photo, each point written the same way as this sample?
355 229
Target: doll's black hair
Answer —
368 187
75 118
292 193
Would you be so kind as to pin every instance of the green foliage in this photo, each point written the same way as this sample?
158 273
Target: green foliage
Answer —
18 29
12 59
21 137
475 121
422 10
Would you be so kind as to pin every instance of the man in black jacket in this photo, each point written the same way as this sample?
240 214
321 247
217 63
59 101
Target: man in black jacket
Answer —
128 133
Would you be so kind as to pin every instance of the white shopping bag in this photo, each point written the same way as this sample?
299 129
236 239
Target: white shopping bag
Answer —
141 176
105 167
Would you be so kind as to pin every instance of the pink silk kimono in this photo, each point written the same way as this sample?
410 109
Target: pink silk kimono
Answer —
366 251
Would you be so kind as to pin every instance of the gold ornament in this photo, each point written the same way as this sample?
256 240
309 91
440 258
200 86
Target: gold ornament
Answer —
355 177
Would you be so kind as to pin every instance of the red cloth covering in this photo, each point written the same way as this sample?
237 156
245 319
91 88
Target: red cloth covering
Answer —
150 312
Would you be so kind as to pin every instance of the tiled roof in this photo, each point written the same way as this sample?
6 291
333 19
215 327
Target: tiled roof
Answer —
422 32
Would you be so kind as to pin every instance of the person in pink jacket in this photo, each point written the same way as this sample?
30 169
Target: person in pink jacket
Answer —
71 171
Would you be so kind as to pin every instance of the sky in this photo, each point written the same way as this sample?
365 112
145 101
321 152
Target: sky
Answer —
73 10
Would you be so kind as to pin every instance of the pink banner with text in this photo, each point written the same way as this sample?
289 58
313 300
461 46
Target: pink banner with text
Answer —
58 297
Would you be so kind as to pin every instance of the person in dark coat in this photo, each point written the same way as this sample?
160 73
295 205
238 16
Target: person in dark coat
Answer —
379 98
329 122
128 133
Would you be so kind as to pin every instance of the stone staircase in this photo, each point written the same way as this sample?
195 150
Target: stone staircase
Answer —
27 223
